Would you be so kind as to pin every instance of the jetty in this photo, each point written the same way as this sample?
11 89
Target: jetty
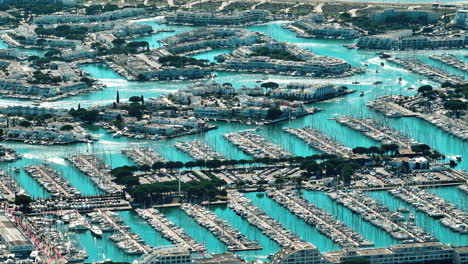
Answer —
317 140
198 150
52 181
451 60
380 216
128 241
256 145
427 70
269 226
434 206
225 232
387 106
96 169
325 223
9 187
143 155
169 230
83 204
377 131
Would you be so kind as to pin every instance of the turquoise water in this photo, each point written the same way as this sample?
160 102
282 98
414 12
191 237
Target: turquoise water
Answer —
109 148
292 222
452 195
433 226
355 222
253 233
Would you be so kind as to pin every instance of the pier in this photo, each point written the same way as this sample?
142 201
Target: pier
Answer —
231 237
169 230
143 155
324 222
128 241
9 187
317 140
269 226
451 60
377 131
433 73
256 145
373 212
52 181
199 150
96 169
435 207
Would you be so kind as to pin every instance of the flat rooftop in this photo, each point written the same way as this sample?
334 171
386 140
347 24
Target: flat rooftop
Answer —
11 235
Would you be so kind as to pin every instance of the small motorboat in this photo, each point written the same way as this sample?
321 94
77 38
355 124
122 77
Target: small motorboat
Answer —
361 94
17 170
96 231
377 82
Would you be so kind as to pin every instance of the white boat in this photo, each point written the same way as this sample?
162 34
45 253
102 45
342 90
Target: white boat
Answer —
96 231
17 170
78 226
117 135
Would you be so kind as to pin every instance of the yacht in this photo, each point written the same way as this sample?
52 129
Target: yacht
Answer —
96 231
78 226
117 135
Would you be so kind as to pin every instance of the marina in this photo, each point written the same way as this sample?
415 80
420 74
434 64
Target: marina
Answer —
199 150
324 222
231 237
256 145
427 70
10 187
384 217
169 230
319 141
435 207
377 131
452 61
143 155
52 181
96 169
269 226
128 241
372 211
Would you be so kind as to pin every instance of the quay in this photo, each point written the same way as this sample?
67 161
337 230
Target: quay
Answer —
52 181
256 145
380 216
463 188
225 232
169 230
96 169
9 187
326 224
435 207
130 242
451 60
198 150
317 140
376 130
433 73
269 226
143 155
389 108
83 204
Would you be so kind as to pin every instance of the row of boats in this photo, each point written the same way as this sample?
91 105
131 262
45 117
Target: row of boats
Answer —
318 140
143 155
52 181
433 73
434 206
325 223
394 223
376 130
243 207
198 150
169 230
223 230
96 169
451 60
256 145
